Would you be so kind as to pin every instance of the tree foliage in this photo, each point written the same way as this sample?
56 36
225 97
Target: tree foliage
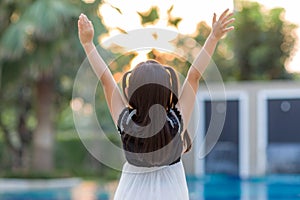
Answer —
150 16
40 54
263 42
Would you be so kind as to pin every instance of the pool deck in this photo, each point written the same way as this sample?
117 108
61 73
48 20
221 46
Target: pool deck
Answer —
27 184
80 189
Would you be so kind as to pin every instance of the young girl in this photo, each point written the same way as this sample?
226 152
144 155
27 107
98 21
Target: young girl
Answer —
153 117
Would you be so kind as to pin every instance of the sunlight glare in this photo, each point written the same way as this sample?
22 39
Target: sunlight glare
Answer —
141 57
88 1
192 12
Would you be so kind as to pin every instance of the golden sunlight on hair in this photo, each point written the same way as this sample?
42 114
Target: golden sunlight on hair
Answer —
141 57
88 1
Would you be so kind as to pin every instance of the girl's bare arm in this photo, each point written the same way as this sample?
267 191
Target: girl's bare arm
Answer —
190 86
113 95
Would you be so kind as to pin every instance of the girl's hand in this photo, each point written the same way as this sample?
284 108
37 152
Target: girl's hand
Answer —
85 30
220 26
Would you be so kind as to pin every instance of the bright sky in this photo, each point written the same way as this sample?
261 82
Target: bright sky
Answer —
191 11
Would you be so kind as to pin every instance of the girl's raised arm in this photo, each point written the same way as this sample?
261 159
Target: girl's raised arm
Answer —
190 86
113 95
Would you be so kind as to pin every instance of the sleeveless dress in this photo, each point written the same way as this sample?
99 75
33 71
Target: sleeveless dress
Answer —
155 175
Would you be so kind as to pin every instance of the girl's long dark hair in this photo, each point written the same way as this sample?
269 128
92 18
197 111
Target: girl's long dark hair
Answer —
148 84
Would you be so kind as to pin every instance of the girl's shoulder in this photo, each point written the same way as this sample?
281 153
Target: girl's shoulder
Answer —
175 120
124 117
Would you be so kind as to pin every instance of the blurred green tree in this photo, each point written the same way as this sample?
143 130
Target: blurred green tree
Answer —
263 42
39 45
15 95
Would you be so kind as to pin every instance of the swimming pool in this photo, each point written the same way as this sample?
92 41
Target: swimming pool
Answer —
209 187
50 194
273 187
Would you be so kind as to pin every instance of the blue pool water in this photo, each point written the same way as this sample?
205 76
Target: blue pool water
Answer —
49 194
274 187
210 187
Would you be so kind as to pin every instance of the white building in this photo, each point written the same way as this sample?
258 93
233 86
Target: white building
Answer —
260 126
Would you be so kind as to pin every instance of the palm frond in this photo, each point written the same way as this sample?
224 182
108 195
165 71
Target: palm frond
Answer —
49 17
13 41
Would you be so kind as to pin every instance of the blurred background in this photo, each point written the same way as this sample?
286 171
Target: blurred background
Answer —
40 55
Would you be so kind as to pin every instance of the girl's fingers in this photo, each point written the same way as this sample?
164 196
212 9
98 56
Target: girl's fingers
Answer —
83 18
225 24
214 18
83 22
225 30
227 17
223 14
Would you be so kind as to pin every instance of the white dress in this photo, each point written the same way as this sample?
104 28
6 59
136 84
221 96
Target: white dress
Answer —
162 182
152 183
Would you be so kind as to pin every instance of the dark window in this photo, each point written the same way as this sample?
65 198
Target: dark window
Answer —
283 151
224 156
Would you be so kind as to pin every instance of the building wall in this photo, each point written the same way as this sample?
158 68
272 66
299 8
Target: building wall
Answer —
252 90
